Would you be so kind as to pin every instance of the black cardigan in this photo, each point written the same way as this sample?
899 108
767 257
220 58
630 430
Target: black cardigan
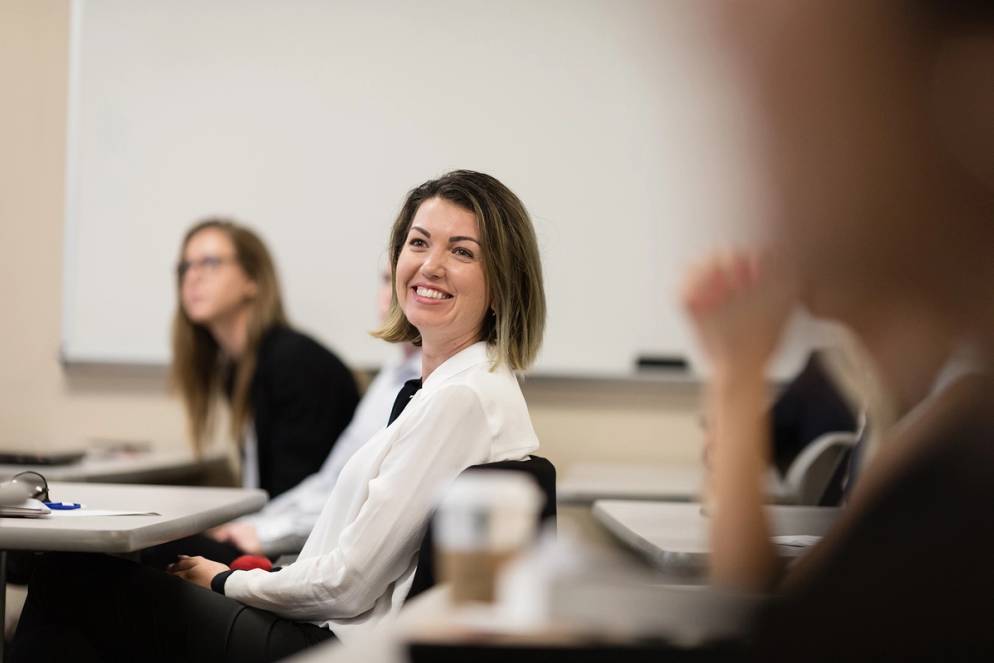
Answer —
807 408
302 399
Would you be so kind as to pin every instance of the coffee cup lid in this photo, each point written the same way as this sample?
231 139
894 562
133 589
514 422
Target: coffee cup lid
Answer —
488 488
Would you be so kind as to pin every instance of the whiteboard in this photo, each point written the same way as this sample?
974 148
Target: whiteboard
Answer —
310 120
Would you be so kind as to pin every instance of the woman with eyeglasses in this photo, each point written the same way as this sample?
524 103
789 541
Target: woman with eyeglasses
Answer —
468 289
289 397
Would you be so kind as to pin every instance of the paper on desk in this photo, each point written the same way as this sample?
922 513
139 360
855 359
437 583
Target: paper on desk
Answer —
77 513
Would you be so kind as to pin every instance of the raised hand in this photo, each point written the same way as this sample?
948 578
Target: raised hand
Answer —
739 304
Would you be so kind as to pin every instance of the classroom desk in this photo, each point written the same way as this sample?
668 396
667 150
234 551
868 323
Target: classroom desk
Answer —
674 536
585 483
429 618
431 628
183 511
138 467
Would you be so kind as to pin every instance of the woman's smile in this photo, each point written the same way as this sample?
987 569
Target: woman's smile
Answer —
429 295
440 282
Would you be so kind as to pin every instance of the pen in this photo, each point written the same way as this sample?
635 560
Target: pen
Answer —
60 506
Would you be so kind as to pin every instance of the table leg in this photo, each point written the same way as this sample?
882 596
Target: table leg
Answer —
3 605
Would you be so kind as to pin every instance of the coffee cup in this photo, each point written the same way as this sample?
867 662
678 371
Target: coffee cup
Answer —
484 519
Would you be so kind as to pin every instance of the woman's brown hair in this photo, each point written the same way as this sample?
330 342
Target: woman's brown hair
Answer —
511 265
199 368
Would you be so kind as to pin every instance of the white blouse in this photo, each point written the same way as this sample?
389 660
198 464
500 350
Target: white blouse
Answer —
250 458
286 521
358 564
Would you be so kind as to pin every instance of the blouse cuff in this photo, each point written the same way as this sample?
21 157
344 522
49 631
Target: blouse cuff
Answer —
217 582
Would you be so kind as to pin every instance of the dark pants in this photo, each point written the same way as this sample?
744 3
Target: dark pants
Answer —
99 608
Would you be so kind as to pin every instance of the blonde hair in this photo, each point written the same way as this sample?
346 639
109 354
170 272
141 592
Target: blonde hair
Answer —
198 367
511 265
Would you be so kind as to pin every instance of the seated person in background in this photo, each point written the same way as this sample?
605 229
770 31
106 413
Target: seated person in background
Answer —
283 525
882 155
290 397
467 288
807 408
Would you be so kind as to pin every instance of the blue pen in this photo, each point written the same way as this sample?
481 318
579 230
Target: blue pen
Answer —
60 506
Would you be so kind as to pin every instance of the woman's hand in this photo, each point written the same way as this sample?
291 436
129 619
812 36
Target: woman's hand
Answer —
198 570
243 536
739 304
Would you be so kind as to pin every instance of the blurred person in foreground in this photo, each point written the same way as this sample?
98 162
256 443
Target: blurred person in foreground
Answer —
876 119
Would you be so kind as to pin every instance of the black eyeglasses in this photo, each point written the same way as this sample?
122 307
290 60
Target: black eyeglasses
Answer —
208 264
37 484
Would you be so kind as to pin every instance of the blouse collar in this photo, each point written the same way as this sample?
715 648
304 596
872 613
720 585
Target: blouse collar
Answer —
468 357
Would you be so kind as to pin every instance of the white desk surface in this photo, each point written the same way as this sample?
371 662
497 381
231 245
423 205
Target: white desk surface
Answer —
137 467
674 536
585 483
184 511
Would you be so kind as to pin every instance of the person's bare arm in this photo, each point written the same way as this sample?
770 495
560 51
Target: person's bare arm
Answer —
739 308
243 536
741 554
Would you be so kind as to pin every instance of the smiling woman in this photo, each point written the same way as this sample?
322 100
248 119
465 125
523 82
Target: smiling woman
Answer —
467 230
440 287
468 289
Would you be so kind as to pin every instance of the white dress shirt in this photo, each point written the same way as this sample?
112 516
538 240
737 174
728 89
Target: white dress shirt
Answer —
250 458
358 563
284 524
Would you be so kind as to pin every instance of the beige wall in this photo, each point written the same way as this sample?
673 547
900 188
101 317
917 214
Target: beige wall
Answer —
41 406
44 406
615 421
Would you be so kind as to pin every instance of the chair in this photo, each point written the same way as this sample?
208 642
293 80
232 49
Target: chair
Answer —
544 474
811 472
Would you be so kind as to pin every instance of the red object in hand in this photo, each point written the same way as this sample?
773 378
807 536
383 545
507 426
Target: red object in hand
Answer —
249 562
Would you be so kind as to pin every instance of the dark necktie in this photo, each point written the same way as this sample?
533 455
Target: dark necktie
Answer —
403 398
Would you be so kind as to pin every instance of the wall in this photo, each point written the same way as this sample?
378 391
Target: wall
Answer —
262 111
42 406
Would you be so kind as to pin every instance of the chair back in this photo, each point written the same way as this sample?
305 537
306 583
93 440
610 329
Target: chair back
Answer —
538 468
811 472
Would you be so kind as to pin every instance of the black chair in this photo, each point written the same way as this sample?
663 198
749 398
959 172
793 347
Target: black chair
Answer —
544 474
